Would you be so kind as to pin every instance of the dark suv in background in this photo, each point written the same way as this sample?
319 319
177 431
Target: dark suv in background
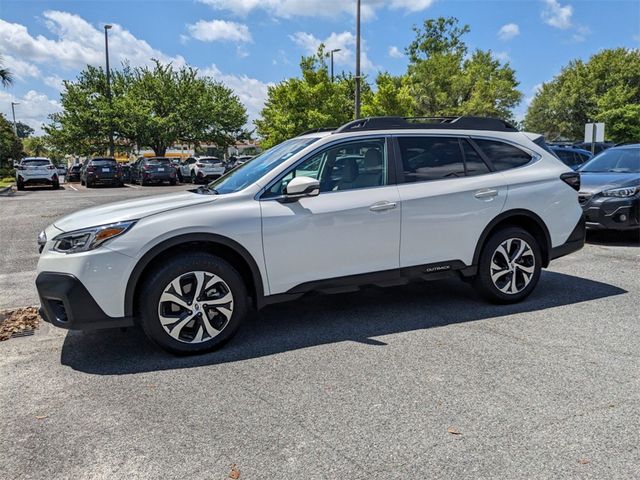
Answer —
101 171
153 170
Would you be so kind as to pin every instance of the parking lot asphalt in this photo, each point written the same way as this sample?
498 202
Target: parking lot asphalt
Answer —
416 382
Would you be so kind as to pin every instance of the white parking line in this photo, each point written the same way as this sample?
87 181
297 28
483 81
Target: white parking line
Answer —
130 186
72 187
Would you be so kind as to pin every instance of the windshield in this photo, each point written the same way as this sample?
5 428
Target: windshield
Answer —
35 163
615 160
254 169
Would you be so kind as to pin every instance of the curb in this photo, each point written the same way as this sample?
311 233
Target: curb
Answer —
6 191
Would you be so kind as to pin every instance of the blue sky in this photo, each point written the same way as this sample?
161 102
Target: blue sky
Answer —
249 44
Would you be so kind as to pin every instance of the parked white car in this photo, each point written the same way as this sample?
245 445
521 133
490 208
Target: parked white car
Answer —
201 169
37 171
379 201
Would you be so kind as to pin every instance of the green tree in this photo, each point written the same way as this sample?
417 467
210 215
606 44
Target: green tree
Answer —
309 102
6 77
606 89
443 80
23 130
391 97
36 146
10 144
151 107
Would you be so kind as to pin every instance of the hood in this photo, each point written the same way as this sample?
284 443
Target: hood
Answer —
598 182
130 210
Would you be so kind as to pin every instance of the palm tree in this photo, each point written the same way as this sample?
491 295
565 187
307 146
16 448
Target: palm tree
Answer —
6 77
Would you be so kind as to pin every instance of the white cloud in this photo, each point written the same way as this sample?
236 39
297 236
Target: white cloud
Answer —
21 69
54 81
581 34
557 15
252 92
534 91
508 31
76 43
219 30
315 8
345 41
394 52
33 108
502 56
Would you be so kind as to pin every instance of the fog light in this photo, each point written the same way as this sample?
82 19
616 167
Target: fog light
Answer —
622 218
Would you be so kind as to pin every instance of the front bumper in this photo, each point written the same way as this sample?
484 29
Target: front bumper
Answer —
611 213
66 303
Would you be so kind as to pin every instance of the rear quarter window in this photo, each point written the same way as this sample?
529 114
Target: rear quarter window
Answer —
503 155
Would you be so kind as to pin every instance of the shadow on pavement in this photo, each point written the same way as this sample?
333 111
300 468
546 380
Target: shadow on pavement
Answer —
614 238
319 320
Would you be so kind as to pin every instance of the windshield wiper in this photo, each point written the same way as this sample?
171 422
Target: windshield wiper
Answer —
206 190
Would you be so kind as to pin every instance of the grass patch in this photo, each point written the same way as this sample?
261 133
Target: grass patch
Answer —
6 181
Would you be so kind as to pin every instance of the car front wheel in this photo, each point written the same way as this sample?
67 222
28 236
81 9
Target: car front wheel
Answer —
509 266
192 304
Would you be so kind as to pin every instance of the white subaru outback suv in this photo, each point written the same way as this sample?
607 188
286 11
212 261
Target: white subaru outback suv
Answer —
378 201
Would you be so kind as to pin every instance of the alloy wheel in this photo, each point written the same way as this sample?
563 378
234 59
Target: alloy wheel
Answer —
512 266
195 307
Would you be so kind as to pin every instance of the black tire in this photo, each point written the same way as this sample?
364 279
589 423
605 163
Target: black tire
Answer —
532 260
20 186
143 183
180 178
194 179
56 185
88 184
82 182
172 182
182 265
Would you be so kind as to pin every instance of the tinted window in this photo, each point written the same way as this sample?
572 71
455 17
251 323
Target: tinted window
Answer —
615 160
503 155
35 163
103 162
208 160
473 162
352 165
156 161
430 158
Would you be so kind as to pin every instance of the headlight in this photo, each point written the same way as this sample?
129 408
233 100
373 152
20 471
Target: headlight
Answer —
621 192
89 238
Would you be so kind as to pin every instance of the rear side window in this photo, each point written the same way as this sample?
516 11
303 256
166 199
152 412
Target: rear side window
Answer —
474 164
502 155
430 158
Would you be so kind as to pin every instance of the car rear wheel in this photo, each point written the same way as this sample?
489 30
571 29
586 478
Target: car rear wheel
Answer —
20 185
193 178
509 266
56 185
192 304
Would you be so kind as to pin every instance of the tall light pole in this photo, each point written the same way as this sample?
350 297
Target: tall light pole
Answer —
13 111
357 112
331 53
106 53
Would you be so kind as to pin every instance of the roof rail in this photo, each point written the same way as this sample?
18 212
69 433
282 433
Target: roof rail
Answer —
318 130
402 123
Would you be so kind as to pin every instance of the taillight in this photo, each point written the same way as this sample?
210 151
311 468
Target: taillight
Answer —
20 167
572 179
199 165
90 169
146 167
51 167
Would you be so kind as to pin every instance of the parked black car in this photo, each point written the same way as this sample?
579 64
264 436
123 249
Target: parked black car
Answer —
598 147
101 171
126 172
73 174
610 189
571 156
153 170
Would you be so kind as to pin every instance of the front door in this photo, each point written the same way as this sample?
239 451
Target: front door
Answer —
352 227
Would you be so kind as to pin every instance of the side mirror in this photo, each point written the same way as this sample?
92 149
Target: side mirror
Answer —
300 187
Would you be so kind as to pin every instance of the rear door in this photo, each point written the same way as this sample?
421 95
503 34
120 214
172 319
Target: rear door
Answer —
449 195
352 227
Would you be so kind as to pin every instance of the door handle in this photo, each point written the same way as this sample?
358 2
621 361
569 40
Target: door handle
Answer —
380 206
487 193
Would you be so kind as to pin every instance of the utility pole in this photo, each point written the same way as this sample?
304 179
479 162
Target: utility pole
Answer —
106 52
332 52
13 111
357 112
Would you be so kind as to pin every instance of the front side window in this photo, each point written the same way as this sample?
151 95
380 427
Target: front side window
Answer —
616 160
348 166
502 155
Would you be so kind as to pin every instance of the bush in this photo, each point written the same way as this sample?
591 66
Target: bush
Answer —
7 172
